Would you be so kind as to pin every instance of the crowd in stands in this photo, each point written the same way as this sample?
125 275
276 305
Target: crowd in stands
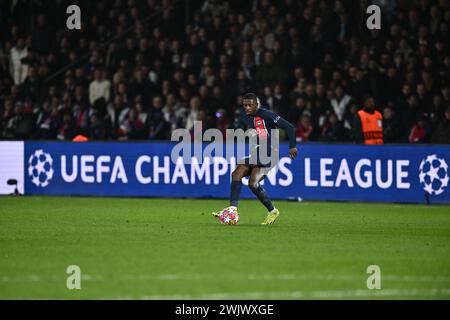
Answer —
138 69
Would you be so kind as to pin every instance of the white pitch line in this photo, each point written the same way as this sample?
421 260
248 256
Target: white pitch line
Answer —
304 294
326 294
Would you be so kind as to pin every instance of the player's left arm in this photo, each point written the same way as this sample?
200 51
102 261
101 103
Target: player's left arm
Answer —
282 123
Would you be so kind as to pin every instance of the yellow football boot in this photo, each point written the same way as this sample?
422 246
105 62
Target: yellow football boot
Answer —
271 217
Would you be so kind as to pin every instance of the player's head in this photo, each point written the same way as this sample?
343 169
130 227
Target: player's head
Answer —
251 103
447 113
369 103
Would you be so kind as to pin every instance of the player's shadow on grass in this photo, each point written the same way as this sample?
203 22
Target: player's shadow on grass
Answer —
258 225
241 226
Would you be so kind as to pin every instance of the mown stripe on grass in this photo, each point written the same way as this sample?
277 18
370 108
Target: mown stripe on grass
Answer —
250 277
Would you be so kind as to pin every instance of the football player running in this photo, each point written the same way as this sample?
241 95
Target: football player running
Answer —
262 121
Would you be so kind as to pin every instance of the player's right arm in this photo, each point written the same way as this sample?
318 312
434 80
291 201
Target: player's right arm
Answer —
282 123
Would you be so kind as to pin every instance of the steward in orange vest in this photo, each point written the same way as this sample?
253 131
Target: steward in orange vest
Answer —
369 124
80 138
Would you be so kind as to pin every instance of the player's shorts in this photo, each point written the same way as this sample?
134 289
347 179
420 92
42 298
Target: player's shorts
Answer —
258 163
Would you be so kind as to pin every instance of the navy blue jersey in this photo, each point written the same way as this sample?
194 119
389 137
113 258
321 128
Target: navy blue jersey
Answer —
265 120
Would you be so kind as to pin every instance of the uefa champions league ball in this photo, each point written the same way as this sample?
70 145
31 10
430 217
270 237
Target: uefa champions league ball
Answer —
40 168
433 175
229 217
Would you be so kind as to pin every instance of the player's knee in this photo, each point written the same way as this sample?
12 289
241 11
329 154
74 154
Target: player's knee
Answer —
253 184
237 175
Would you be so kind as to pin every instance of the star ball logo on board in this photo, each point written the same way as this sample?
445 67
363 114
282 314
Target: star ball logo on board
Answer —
433 174
40 168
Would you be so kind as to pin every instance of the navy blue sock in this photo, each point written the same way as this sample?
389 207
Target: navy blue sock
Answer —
235 192
263 197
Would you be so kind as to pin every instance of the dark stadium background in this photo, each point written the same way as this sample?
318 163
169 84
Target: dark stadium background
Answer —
139 69
168 63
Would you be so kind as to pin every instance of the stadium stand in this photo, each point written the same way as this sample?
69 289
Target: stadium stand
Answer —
139 69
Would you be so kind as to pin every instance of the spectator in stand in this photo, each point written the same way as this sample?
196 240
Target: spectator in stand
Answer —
442 133
67 129
97 129
391 126
19 69
419 132
368 126
304 128
332 130
194 113
99 87
308 56
339 102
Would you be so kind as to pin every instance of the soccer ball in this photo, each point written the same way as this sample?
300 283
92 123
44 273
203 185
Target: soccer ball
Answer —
433 174
229 217
40 168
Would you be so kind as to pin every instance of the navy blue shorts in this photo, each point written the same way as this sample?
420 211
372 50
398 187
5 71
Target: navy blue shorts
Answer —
266 162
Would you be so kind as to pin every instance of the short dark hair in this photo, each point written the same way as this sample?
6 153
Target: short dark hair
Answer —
368 96
250 96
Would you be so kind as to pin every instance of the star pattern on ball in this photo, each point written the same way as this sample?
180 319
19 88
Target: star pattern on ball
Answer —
229 217
433 174
40 168
443 164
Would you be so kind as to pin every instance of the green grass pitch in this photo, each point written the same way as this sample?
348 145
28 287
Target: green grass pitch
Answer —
174 249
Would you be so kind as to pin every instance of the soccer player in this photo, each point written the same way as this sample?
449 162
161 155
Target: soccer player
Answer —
262 121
